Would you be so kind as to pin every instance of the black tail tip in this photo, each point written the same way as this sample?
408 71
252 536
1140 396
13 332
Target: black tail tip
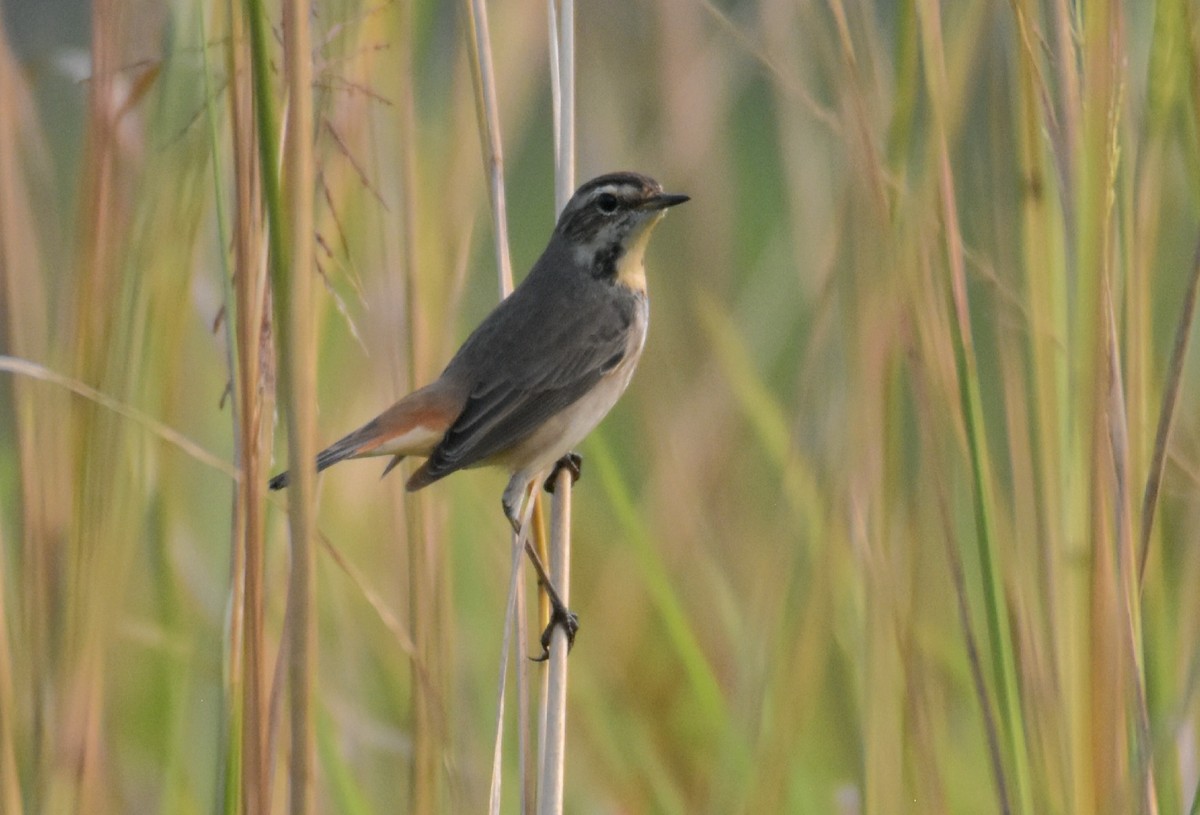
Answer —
278 482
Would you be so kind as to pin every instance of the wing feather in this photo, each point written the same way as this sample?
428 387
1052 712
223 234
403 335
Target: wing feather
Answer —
549 368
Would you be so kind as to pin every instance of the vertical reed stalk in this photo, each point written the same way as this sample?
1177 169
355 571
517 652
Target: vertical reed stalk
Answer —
487 114
97 547
550 789
554 713
10 780
294 293
247 767
426 556
510 625
289 220
23 316
488 121
1004 658
1110 735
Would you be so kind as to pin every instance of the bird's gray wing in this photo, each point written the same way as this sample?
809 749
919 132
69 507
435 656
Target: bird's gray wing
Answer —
555 362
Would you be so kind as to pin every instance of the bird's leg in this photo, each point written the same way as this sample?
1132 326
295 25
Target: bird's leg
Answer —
572 462
560 615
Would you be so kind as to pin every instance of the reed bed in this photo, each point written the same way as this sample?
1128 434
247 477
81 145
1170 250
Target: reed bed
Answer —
898 514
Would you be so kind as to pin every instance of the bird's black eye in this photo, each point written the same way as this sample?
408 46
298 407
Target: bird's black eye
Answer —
606 202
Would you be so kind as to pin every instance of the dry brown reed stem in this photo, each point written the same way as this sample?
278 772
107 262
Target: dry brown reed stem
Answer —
247 661
300 380
487 115
99 226
95 550
289 234
1104 729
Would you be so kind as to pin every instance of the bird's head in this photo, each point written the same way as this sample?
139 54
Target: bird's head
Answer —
608 221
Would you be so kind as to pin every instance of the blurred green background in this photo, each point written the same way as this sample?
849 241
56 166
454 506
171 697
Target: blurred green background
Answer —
865 534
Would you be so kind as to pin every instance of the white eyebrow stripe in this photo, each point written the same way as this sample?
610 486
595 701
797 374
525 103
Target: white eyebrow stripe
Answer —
621 191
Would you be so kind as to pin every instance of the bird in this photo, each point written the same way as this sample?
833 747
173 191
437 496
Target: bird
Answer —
545 365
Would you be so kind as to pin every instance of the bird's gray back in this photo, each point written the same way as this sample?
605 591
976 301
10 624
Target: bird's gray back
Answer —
540 350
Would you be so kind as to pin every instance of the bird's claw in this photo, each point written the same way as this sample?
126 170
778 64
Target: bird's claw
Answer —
560 615
572 462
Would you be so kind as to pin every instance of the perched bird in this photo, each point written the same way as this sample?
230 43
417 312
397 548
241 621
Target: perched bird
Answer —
546 365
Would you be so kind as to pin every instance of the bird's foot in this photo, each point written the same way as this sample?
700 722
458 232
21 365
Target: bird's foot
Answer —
560 615
572 462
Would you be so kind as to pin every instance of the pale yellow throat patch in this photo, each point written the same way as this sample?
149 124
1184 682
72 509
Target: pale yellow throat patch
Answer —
631 268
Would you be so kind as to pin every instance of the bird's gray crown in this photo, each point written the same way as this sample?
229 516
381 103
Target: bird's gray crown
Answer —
613 199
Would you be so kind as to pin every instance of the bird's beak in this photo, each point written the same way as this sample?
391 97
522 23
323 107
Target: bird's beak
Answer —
665 200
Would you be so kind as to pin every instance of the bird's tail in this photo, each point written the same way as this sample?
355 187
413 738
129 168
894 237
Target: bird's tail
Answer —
354 444
412 426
